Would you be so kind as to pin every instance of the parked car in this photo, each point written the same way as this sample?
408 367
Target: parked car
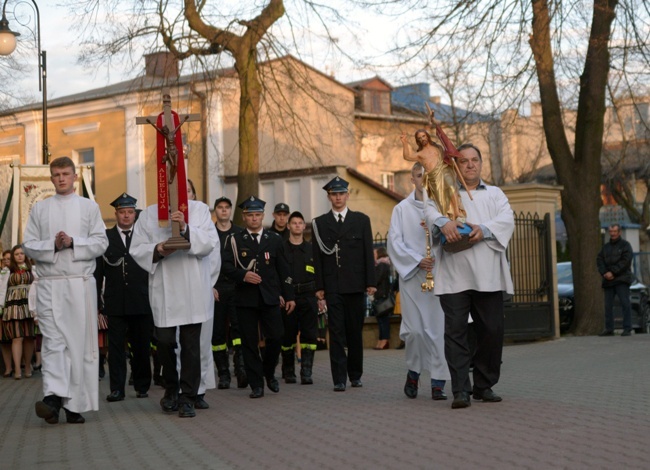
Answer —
639 298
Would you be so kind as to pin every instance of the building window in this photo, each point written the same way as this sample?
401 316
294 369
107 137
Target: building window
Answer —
388 180
86 157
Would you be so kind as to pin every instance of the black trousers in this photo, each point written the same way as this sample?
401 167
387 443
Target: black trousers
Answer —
487 311
303 319
190 376
137 330
345 322
225 316
269 320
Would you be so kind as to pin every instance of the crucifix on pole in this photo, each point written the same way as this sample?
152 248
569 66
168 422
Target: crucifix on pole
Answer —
170 178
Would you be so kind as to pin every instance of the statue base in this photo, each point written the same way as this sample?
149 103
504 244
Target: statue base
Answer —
177 243
460 245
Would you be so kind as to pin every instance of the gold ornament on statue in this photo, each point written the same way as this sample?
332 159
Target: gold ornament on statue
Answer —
427 286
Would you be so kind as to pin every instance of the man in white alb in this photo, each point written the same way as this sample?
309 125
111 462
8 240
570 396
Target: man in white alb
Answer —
65 234
423 321
180 292
474 281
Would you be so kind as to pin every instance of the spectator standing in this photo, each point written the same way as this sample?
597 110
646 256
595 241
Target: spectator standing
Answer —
384 291
17 320
615 266
5 343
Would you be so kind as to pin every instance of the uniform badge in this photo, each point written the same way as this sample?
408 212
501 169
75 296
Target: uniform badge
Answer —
267 256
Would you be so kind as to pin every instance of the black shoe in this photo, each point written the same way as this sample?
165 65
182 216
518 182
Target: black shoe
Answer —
200 403
606 333
224 382
115 395
48 409
290 379
486 395
258 392
626 333
242 379
438 394
401 345
461 400
339 387
356 383
186 410
273 384
169 402
411 387
73 418
141 394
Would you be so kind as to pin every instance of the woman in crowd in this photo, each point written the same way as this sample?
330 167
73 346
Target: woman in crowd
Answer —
5 343
382 273
17 320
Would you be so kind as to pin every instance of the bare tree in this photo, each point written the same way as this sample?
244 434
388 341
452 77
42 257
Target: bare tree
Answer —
209 36
566 50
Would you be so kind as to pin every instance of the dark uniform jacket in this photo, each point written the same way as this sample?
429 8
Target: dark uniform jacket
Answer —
355 268
271 265
301 262
126 287
224 282
283 233
616 257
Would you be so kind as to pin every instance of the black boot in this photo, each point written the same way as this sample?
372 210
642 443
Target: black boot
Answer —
240 370
306 366
223 369
157 369
49 408
289 366
102 361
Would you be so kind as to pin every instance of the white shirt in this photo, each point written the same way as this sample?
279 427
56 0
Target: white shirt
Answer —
343 213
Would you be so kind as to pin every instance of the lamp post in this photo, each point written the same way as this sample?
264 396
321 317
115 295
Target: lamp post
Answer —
8 45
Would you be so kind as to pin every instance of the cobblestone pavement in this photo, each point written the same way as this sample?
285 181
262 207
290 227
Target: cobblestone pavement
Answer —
572 403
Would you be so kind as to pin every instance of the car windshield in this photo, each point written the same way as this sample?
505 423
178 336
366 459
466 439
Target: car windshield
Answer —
564 273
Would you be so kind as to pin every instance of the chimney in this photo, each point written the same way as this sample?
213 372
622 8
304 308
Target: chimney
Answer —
161 64
435 99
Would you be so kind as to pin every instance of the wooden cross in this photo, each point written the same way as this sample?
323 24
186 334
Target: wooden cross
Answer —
168 130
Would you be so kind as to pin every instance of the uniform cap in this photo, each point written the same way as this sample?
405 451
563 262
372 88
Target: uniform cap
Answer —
336 185
222 199
252 204
295 214
281 207
124 201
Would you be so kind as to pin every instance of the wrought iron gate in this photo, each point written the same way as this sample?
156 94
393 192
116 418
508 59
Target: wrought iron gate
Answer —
529 313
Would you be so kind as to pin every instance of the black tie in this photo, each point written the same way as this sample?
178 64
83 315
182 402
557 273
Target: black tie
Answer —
340 219
255 235
127 234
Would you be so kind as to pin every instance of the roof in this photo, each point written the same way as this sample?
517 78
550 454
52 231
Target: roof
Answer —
150 83
370 182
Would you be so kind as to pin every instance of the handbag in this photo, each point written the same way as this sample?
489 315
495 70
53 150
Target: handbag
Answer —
384 307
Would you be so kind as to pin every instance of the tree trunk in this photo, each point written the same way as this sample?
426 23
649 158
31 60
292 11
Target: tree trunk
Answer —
249 107
580 172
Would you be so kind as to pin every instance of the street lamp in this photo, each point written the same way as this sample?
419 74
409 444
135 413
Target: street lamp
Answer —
8 45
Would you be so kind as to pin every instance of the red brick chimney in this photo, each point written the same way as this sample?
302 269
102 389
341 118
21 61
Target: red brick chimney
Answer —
161 64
